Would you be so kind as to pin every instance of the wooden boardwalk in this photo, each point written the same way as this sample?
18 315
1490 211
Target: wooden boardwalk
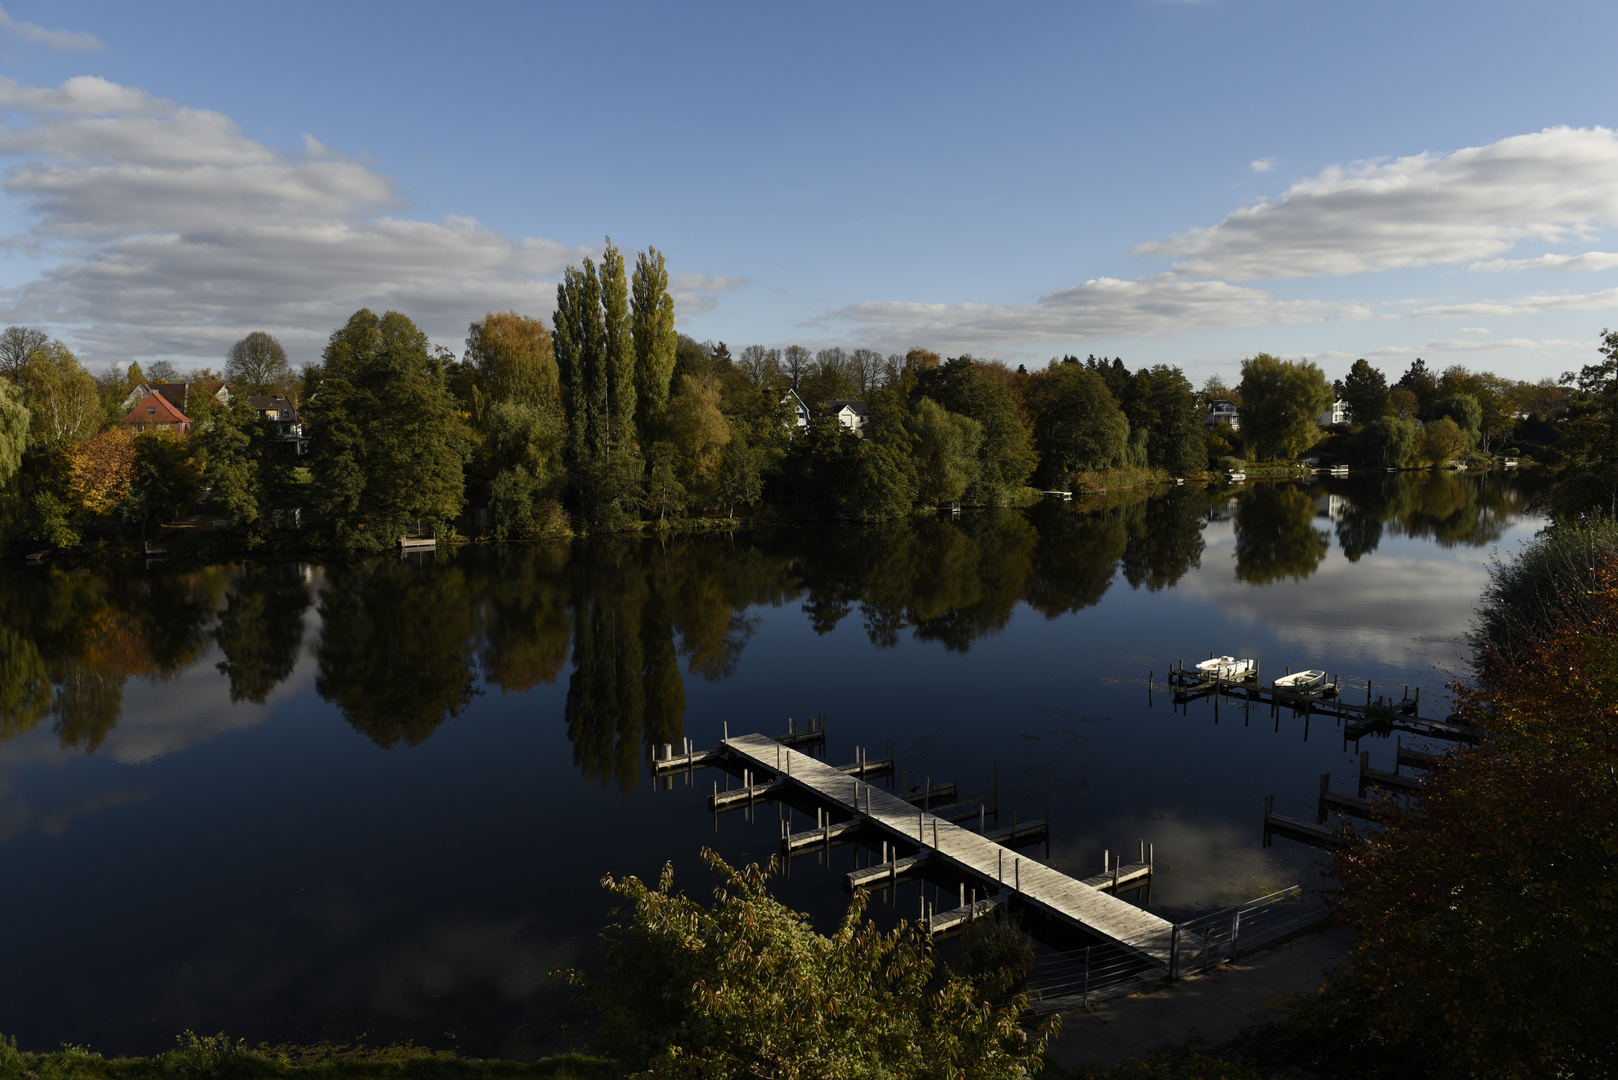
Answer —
969 852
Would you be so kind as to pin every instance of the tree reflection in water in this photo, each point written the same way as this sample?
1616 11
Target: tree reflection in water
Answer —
261 629
404 645
1276 536
396 646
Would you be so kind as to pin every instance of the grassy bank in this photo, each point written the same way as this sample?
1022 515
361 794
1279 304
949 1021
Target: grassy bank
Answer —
217 1057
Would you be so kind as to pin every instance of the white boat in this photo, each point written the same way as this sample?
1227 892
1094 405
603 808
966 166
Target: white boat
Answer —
1300 682
1236 476
1226 668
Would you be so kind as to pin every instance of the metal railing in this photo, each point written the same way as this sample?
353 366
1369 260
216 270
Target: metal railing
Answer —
1082 976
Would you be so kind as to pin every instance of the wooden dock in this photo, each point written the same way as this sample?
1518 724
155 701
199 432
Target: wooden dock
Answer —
968 852
689 757
1308 832
892 870
1379 713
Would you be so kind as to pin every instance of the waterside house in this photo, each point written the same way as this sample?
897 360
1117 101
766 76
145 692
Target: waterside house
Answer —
1222 411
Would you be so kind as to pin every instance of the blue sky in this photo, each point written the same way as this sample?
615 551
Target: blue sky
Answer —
1187 183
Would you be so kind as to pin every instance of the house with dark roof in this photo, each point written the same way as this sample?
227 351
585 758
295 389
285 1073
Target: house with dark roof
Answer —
154 412
851 414
281 415
185 396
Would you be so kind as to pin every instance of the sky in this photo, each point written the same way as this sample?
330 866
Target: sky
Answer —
1169 182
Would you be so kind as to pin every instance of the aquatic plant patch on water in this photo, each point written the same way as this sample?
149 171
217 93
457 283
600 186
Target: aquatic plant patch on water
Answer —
218 1057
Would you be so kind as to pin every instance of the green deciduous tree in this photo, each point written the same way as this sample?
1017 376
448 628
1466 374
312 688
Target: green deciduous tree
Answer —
1281 405
165 484
945 454
884 471
386 444
1161 403
1078 425
14 425
1386 442
17 344
257 364
699 433
1590 426
1441 440
618 353
62 397
1006 455
747 988
515 361
230 444
652 327
1465 411
1366 391
741 473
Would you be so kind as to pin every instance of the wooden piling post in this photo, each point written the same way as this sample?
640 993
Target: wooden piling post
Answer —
1320 807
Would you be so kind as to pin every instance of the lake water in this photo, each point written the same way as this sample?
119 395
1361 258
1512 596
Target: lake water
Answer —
297 802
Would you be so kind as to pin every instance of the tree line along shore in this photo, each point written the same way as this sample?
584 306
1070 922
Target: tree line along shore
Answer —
608 420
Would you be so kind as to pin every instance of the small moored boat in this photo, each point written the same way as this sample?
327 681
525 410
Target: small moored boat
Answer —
1225 667
1300 682
1236 476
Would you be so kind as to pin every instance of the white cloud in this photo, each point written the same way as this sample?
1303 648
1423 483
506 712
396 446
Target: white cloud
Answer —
1153 306
1526 305
696 293
1551 186
169 232
1590 260
1263 165
1476 330
55 39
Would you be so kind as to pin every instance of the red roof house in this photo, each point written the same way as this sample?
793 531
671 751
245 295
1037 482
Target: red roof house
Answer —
156 411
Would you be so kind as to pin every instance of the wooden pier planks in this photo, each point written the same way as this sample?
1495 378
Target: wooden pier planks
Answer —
1032 881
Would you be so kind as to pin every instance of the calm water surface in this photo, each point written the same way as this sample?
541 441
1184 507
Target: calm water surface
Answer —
298 802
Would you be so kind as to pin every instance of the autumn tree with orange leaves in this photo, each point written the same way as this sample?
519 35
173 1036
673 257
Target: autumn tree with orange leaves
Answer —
1488 909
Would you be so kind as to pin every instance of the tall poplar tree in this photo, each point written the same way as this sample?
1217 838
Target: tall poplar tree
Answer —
580 350
619 354
652 316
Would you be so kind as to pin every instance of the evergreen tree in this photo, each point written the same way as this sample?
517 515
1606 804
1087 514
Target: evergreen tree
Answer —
386 444
652 318
1366 392
1420 382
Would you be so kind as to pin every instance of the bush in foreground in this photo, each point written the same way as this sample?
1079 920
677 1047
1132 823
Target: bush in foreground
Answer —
747 988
